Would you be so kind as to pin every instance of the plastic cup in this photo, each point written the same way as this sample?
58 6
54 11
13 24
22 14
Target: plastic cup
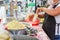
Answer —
35 23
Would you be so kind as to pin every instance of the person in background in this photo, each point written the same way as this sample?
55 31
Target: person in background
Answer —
51 24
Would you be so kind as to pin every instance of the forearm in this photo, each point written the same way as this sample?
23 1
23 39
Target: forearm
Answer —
51 12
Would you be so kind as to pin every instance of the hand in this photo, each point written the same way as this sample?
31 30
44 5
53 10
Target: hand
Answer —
29 17
39 9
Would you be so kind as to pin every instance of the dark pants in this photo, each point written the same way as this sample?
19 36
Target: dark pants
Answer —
57 37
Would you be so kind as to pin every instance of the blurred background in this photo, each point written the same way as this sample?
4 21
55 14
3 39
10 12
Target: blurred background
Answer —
18 9
13 12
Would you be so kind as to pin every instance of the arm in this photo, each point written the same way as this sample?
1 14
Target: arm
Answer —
52 12
39 15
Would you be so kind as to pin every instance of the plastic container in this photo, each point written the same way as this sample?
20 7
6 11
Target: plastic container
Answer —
35 23
57 37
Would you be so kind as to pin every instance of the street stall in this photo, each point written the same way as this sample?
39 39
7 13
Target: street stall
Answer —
18 26
26 28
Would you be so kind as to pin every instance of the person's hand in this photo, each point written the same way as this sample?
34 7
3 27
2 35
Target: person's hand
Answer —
39 9
29 17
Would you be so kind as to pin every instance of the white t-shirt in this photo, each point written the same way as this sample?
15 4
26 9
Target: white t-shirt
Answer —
57 18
